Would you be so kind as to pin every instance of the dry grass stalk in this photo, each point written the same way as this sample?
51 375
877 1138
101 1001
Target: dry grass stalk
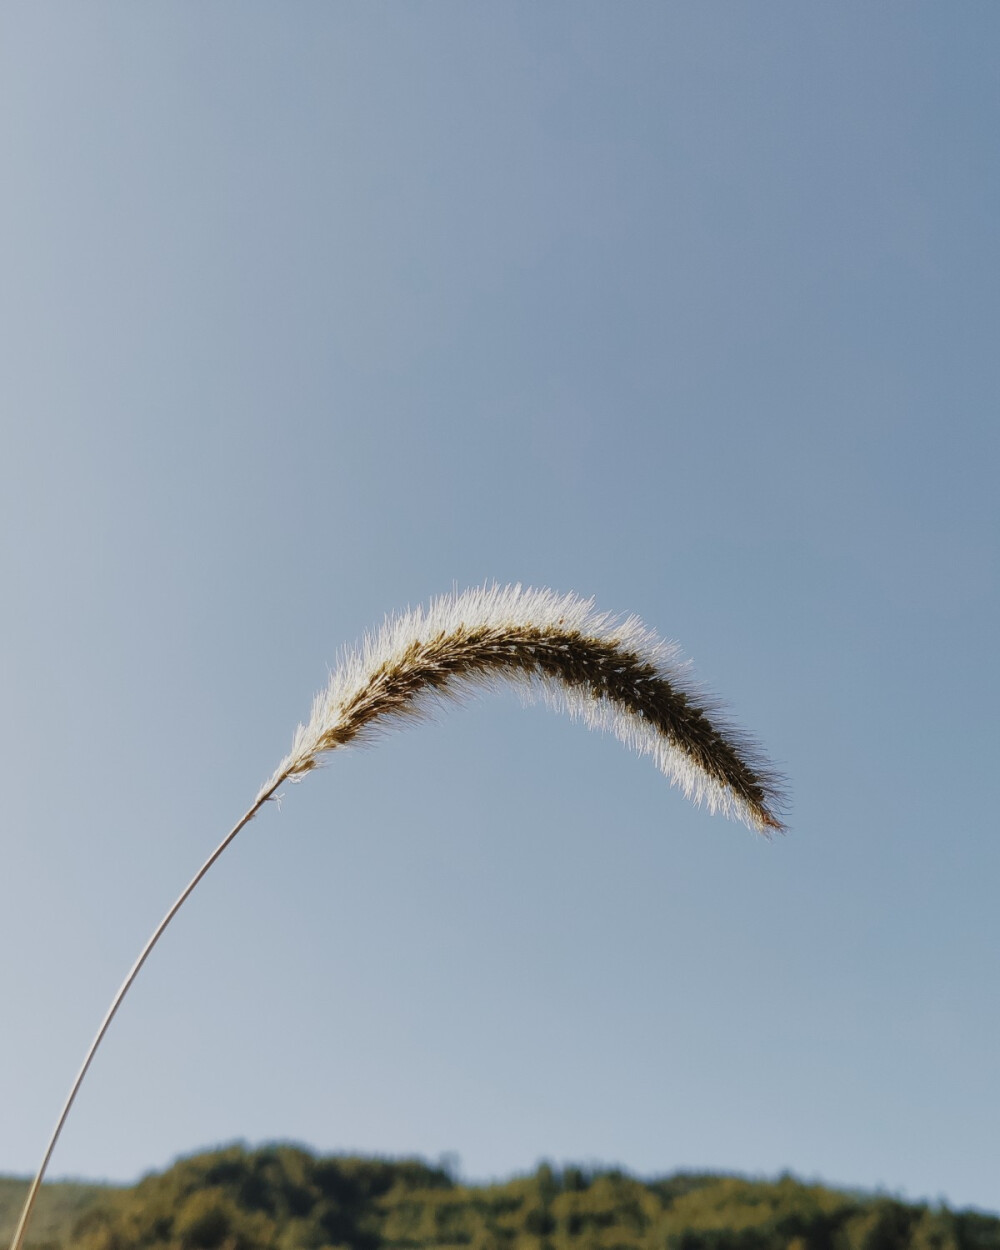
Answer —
613 674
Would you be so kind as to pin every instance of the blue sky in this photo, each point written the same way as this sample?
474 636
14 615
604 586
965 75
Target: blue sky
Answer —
311 312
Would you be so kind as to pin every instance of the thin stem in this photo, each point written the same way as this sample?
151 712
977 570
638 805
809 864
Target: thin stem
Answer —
116 1002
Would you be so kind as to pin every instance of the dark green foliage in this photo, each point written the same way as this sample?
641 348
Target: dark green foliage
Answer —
283 1198
236 1199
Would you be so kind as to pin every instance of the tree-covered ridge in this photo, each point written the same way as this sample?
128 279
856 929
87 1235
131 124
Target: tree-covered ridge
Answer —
283 1198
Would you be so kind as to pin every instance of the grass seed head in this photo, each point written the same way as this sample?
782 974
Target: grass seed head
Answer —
610 672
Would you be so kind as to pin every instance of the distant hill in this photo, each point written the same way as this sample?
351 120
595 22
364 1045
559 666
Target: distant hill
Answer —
284 1198
59 1206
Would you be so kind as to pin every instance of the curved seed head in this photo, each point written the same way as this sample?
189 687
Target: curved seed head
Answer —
612 673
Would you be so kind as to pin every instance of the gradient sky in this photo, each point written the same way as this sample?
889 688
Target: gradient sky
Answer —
313 311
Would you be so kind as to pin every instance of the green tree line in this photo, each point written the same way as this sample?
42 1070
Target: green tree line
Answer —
284 1198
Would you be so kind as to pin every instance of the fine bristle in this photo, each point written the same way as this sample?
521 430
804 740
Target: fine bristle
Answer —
612 673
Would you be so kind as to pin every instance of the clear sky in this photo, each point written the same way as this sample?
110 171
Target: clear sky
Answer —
312 311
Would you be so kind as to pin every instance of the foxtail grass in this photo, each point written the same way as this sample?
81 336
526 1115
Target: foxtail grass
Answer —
610 672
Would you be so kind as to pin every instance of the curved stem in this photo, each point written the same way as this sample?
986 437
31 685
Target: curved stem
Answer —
116 1002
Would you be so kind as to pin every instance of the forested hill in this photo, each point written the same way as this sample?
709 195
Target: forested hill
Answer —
283 1198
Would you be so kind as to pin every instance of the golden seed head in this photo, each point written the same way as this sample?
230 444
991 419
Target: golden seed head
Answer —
613 674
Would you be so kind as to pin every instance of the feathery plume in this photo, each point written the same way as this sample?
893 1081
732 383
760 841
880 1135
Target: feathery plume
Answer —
612 673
